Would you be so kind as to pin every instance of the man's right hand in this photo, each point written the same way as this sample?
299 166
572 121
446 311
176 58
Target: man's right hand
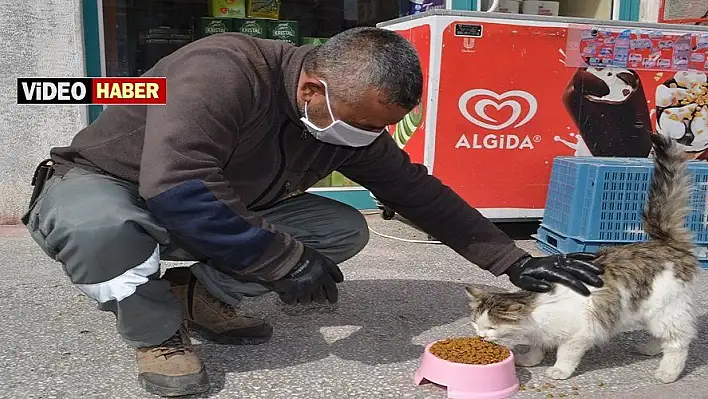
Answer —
314 278
573 270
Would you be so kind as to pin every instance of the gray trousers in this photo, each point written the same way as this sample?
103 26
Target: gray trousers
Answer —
110 246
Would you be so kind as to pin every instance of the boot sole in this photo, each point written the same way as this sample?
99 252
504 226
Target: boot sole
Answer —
199 386
209 335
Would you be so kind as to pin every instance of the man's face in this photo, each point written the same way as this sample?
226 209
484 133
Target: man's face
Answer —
369 114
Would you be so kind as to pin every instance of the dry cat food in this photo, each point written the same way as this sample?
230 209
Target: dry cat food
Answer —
473 350
575 391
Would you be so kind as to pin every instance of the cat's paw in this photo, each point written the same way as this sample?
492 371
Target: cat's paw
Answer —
530 358
666 376
649 348
558 374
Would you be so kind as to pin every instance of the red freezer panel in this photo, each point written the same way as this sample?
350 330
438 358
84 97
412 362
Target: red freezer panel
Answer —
508 104
410 132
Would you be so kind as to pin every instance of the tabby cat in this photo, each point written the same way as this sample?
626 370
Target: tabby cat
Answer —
647 284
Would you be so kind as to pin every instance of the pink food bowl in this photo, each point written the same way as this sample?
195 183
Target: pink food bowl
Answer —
469 381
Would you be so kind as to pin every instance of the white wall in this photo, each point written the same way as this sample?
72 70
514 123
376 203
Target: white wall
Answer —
649 10
43 39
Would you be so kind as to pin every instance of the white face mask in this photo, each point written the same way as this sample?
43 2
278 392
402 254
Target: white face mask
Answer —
339 132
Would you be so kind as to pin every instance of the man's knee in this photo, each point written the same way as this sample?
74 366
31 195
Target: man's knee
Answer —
103 247
349 235
106 255
358 230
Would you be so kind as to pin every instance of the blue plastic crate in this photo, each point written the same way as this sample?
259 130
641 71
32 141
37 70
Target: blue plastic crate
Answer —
552 243
601 199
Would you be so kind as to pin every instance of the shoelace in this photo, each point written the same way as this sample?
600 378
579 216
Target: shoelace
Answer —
228 310
175 345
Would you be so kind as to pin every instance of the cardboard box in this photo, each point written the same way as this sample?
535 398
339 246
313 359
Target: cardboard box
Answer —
252 27
227 8
210 26
419 6
269 9
549 8
286 31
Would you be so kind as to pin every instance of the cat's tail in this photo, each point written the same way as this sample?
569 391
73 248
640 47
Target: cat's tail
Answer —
666 209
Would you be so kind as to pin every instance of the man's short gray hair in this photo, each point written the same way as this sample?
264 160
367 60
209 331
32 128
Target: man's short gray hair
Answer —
359 58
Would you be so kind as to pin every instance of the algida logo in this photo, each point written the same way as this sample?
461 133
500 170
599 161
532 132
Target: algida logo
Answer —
523 108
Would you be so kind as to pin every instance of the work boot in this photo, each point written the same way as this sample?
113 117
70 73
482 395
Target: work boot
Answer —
211 318
172 368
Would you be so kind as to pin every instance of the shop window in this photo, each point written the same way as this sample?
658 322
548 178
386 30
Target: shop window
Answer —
138 33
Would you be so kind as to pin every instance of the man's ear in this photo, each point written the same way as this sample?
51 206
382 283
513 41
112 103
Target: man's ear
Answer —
310 87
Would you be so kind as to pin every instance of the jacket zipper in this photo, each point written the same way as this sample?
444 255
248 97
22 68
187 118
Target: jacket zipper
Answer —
281 171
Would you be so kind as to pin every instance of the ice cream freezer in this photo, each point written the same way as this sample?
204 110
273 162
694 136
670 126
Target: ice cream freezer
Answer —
505 94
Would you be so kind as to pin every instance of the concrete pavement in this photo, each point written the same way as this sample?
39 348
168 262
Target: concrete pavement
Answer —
397 297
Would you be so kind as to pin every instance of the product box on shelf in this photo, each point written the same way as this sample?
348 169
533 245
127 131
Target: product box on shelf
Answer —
505 6
253 27
212 25
286 31
549 8
227 8
419 6
269 9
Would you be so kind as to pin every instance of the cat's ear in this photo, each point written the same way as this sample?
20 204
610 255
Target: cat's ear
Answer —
473 292
475 295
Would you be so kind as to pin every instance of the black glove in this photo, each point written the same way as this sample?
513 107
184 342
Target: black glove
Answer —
314 278
571 270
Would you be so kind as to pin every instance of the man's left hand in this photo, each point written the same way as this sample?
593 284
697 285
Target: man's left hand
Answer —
314 278
573 270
